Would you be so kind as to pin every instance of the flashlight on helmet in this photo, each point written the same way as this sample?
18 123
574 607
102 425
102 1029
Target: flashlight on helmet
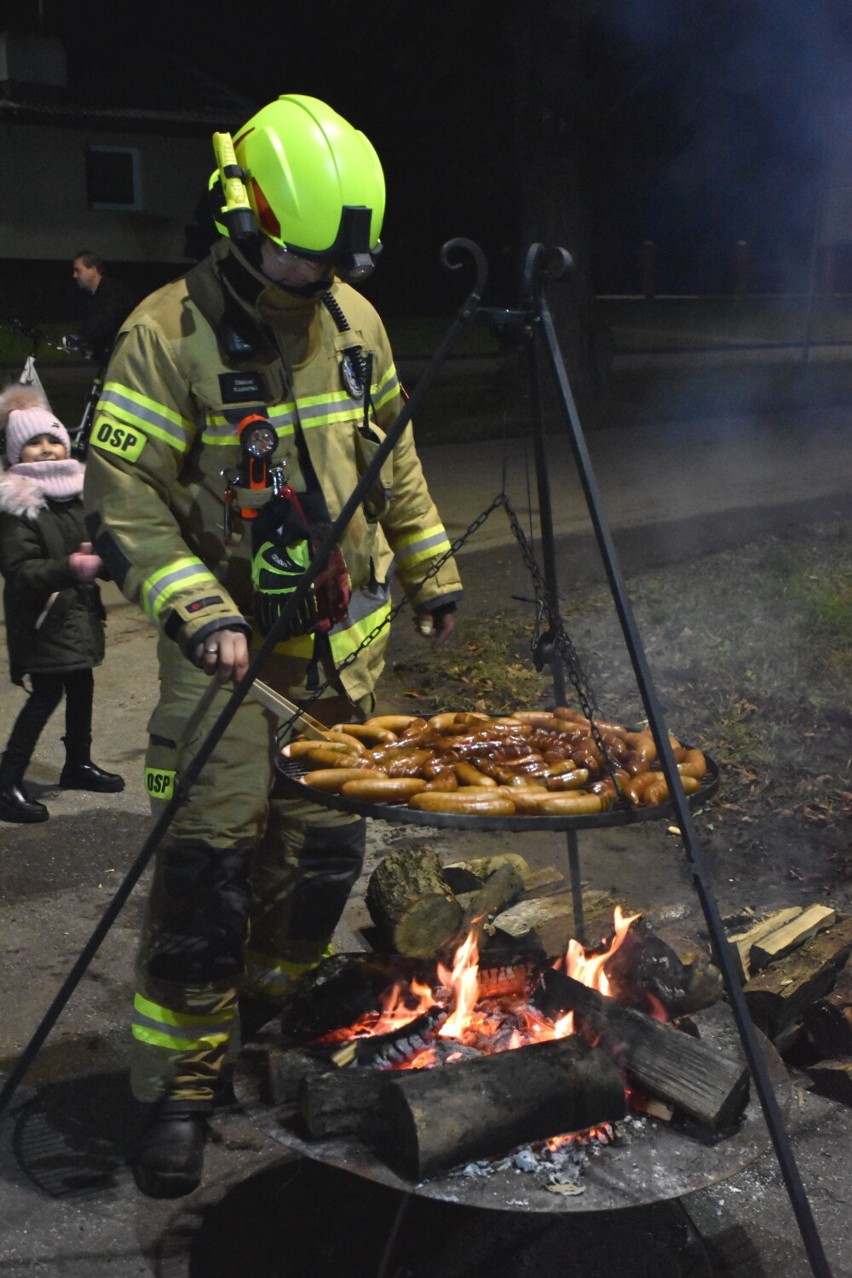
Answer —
236 211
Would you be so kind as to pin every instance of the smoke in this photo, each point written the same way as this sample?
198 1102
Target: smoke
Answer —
736 104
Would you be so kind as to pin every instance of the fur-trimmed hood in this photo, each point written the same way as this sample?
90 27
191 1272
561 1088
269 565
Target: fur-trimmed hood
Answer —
20 495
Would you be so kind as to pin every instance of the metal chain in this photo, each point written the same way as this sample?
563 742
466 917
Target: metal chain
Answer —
393 613
562 643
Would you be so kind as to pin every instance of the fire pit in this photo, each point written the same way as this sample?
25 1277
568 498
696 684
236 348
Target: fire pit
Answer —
445 1085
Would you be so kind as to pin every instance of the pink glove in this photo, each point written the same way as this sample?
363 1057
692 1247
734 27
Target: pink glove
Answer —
84 565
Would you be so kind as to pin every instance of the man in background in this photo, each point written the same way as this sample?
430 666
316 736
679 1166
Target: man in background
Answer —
107 304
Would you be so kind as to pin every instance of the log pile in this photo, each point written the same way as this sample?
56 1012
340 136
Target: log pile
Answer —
796 975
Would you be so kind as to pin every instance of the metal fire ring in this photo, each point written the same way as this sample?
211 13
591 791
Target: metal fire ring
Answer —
661 1162
292 778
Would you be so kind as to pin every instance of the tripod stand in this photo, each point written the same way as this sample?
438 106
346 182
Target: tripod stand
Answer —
535 322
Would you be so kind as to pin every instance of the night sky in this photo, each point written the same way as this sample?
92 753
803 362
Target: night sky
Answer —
694 125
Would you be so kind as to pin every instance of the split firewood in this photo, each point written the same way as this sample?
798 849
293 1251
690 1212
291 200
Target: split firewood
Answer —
435 1119
484 866
414 910
672 1065
468 876
501 887
778 996
740 943
281 1071
829 1019
775 945
834 1079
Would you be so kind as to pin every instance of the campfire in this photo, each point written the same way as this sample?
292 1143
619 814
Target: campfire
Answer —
436 1065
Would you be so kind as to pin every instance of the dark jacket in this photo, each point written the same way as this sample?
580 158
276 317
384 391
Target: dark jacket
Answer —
54 624
104 311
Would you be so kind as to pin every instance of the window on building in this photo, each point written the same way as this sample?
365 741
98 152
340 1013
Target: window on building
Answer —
112 177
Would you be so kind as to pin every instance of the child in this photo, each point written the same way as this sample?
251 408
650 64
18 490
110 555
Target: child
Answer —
52 603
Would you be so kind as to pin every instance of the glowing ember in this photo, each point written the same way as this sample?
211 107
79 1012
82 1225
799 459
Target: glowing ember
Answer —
401 1004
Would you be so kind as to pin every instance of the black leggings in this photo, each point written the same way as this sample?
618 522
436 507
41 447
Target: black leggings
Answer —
79 689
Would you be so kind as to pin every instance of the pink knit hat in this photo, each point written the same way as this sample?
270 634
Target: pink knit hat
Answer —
25 414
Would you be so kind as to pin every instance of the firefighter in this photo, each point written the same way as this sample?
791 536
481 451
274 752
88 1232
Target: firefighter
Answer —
240 405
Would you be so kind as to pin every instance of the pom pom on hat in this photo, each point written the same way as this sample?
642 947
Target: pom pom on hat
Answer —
24 414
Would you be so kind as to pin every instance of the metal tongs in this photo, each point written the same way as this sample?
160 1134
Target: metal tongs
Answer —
288 710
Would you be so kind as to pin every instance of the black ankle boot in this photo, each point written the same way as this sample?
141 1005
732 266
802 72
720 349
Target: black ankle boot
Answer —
169 1157
88 776
15 803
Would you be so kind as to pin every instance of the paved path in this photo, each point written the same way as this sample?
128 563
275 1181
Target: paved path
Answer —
738 471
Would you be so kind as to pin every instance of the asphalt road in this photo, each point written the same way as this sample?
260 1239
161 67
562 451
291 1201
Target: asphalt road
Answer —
69 1205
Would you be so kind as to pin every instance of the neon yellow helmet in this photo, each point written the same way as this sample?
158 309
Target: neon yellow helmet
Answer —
313 182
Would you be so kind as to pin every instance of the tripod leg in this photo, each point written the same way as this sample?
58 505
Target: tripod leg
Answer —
754 1056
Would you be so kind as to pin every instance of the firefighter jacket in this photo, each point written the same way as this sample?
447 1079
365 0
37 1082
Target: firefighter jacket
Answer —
191 362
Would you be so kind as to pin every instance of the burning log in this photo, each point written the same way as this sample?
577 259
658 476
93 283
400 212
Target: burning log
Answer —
416 913
434 1119
343 1102
673 1066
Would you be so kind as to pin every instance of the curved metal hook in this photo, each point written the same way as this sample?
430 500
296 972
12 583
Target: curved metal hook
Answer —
554 263
460 244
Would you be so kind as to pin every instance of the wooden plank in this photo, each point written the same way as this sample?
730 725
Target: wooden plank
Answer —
774 946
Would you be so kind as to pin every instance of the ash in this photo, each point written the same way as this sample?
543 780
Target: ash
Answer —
560 1168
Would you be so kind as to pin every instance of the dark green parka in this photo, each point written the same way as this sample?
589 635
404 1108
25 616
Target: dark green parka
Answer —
54 623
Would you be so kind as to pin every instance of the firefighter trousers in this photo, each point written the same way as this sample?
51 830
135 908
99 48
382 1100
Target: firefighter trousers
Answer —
248 886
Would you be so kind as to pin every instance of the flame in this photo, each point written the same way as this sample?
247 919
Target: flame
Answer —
492 1024
464 982
400 1004
468 1020
589 970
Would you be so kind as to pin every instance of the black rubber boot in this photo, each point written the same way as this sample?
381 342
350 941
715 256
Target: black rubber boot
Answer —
80 773
169 1158
15 804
